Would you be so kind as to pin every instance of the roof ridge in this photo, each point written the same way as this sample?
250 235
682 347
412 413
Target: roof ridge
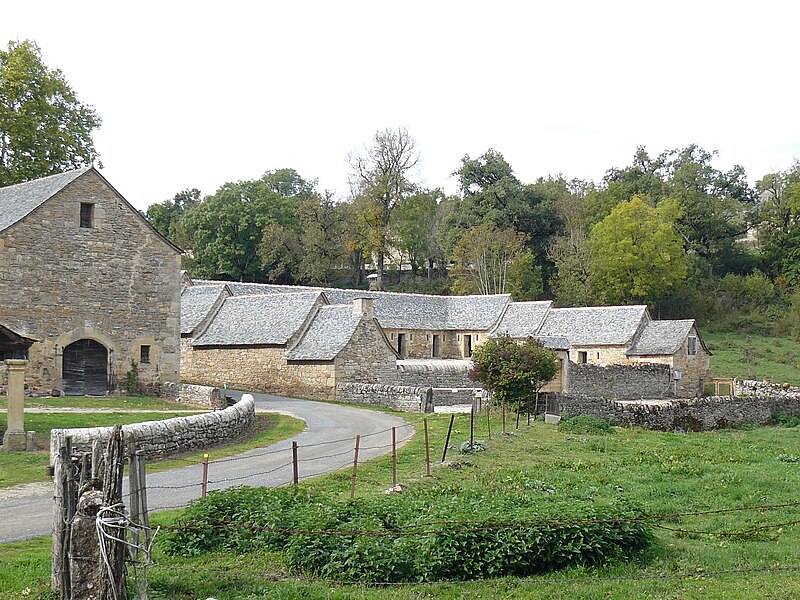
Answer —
77 172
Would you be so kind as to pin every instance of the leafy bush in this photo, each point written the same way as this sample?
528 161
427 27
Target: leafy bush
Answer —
427 534
781 419
585 424
132 379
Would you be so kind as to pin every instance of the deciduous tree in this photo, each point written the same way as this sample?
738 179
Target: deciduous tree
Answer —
44 128
483 257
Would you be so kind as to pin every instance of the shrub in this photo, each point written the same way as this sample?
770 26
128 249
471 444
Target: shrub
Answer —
458 532
781 419
585 424
132 379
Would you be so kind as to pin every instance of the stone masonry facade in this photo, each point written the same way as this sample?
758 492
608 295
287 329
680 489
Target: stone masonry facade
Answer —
116 282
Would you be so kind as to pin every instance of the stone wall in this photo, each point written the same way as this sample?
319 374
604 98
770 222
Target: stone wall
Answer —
256 368
367 358
404 398
439 374
117 282
193 395
620 381
169 437
419 342
749 387
695 414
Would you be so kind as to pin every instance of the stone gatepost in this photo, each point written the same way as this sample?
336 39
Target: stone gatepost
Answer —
15 438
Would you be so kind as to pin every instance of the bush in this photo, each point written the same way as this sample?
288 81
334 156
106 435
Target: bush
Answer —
458 533
585 424
781 419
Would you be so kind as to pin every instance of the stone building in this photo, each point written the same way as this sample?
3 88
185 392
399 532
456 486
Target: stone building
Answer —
84 274
286 343
433 338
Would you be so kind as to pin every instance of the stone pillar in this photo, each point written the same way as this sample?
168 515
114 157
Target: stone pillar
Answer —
15 438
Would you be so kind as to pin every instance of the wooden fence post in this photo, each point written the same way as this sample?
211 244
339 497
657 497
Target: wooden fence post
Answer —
489 419
111 521
205 476
447 441
394 457
355 469
427 450
295 466
64 506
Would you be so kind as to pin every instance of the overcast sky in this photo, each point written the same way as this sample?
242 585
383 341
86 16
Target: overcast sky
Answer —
195 94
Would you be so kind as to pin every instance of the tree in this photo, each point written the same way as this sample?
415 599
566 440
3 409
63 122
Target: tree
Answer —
483 257
779 220
323 238
44 128
381 176
513 371
636 252
414 229
166 217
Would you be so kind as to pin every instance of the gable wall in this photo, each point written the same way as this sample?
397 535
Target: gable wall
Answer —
118 283
367 358
694 368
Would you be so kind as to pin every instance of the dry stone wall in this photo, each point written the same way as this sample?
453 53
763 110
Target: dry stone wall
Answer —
193 395
632 382
694 414
158 439
437 374
403 398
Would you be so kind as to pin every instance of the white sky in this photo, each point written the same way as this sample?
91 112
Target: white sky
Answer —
195 94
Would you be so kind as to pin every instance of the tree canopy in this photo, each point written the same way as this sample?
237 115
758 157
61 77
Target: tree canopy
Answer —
44 128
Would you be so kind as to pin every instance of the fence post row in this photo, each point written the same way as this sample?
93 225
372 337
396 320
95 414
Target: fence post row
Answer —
355 468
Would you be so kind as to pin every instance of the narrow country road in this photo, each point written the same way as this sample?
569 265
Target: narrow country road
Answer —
325 445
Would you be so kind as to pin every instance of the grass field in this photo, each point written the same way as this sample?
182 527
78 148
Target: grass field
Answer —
754 356
740 554
95 402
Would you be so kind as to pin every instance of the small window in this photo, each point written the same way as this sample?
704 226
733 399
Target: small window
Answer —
691 346
144 355
582 356
87 215
598 356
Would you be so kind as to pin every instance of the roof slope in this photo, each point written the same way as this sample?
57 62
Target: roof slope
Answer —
330 331
522 319
595 326
20 200
196 303
403 311
661 337
258 320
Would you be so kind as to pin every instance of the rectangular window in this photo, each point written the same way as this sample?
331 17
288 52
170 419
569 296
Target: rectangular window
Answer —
87 215
582 356
144 355
691 346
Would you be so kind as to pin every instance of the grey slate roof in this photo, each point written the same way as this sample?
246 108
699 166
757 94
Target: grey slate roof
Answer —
258 320
196 303
328 334
18 201
553 343
661 337
595 326
522 319
404 311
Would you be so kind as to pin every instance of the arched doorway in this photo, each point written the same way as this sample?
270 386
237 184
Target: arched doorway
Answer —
85 368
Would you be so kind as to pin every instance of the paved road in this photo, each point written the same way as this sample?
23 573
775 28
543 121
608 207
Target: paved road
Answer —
325 445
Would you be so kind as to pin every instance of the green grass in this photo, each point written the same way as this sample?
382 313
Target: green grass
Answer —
661 472
124 402
754 356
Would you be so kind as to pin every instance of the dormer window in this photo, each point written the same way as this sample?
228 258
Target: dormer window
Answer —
87 215
691 345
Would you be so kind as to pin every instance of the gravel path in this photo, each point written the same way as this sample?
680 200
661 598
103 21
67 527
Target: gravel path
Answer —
325 445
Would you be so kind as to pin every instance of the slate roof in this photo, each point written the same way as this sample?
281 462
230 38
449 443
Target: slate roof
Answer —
661 337
553 343
404 311
328 334
595 326
196 303
18 201
522 319
258 320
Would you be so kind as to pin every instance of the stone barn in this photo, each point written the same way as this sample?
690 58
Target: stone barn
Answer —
85 275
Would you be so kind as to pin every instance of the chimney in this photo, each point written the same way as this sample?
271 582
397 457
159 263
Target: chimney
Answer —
363 308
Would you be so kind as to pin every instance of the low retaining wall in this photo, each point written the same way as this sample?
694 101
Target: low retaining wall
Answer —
439 373
748 387
398 397
194 395
620 381
695 414
158 439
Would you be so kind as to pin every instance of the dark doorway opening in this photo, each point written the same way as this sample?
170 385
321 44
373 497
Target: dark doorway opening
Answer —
85 369
437 346
401 344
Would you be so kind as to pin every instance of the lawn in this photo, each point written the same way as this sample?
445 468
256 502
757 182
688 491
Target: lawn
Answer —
739 554
754 356
124 402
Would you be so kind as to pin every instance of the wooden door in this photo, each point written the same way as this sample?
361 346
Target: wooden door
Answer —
85 368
